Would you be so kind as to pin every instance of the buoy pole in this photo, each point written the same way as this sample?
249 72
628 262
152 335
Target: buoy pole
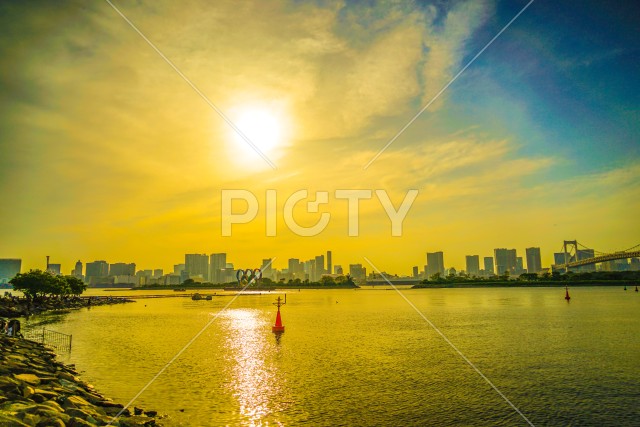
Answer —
566 295
278 328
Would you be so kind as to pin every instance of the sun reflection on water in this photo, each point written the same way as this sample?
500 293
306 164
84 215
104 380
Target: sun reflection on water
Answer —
254 382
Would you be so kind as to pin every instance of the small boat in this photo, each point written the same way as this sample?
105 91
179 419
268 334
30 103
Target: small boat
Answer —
209 298
180 290
196 297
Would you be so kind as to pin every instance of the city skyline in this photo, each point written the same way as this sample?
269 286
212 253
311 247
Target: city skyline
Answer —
108 152
514 260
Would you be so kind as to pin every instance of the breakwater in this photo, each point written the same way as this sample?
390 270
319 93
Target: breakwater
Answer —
36 390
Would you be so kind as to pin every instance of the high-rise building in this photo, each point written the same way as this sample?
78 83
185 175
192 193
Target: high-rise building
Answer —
122 269
96 269
435 263
488 266
506 260
178 268
415 271
338 269
560 257
519 266
534 262
357 272
158 273
295 269
310 269
473 265
9 267
55 269
584 254
319 267
197 265
77 271
267 268
217 263
329 264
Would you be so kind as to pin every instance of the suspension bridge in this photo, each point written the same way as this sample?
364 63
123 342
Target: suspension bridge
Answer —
578 255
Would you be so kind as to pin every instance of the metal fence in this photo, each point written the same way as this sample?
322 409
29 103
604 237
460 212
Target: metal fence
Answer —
57 340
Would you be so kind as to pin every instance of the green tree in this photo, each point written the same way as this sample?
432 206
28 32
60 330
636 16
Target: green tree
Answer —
38 283
349 280
340 279
76 286
435 277
327 280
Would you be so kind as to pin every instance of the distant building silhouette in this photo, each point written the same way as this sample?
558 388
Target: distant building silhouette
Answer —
584 254
534 261
96 270
217 263
506 260
357 272
329 264
473 265
488 266
435 263
77 271
9 267
122 269
319 267
267 268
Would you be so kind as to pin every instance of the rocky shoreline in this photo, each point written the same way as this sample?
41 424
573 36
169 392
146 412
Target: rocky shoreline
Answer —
12 307
36 390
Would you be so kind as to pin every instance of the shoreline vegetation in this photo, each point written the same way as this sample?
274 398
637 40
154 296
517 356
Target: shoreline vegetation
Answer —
12 306
36 390
44 292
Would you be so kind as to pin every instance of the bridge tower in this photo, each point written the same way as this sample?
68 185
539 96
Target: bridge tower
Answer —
567 246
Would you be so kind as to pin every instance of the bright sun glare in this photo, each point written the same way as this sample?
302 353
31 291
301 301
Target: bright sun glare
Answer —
263 127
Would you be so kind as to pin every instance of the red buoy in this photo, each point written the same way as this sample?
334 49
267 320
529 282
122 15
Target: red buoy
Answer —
278 328
566 295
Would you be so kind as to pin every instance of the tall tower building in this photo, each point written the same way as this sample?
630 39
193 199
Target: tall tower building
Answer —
197 265
77 271
267 268
534 262
319 267
435 263
584 254
217 263
329 264
488 265
473 265
96 269
506 260
122 269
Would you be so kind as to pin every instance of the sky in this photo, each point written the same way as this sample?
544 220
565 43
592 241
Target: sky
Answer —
108 153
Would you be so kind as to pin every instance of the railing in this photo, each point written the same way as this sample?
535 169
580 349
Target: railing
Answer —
57 340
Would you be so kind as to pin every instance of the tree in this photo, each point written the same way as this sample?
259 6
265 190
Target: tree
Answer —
327 280
38 283
349 281
436 277
76 286
340 279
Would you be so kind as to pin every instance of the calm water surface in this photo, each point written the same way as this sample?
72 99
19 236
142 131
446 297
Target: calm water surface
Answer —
366 358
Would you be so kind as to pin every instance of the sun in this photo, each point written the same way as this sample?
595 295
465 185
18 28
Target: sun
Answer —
264 127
